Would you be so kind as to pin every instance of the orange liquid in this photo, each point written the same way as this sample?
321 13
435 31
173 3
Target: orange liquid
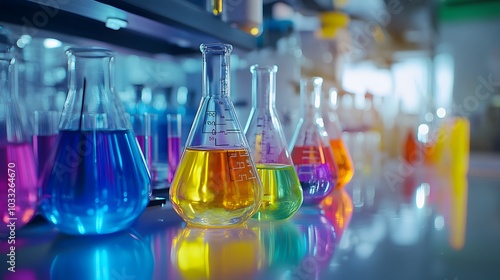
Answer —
344 163
216 188
411 152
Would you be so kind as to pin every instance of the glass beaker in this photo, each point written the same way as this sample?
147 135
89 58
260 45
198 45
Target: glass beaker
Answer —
340 152
311 152
18 178
99 182
281 186
216 183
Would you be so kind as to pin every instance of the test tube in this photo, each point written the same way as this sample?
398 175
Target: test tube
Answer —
144 128
174 125
45 130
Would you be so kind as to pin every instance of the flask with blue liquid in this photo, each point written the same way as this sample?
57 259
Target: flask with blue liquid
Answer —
98 181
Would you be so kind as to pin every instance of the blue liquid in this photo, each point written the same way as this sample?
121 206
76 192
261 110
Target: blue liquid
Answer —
98 183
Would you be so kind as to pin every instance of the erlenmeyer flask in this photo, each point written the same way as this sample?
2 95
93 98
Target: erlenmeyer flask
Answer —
281 186
311 152
340 152
98 182
216 183
18 179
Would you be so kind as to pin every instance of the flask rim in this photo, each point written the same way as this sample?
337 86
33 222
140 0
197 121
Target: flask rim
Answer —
268 68
90 52
318 81
216 47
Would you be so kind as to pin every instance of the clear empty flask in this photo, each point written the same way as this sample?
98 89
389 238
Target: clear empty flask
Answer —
216 183
340 152
311 152
98 182
281 186
18 178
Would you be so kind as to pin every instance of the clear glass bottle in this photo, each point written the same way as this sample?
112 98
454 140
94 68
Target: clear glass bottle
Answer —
216 183
334 130
281 186
18 178
311 151
98 182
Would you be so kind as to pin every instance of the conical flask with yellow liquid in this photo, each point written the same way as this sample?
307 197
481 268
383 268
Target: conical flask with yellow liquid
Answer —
216 183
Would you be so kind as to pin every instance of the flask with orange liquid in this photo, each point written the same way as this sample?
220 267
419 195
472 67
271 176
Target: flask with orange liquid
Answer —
334 130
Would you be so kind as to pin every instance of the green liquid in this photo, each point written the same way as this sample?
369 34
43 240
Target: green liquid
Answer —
282 192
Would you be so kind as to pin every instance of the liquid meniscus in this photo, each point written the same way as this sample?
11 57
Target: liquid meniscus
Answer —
345 167
215 187
282 192
314 167
98 182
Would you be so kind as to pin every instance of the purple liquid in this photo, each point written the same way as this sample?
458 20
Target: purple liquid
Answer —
174 156
43 145
316 180
25 180
146 144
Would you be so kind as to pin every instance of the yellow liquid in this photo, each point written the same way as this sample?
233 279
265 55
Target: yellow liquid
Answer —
216 254
282 192
344 162
215 188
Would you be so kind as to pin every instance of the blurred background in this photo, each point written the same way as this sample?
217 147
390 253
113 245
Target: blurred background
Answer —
400 65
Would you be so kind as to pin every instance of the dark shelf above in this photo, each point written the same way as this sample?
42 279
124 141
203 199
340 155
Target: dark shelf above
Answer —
173 27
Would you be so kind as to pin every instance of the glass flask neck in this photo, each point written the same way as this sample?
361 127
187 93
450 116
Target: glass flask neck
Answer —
311 96
263 87
13 123
216 69
89 68
91 103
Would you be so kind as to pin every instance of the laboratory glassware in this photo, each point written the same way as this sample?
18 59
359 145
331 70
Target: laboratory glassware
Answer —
281 187
333 128
174 135
45 130
144 125
99 182
18 178
216 183
311 151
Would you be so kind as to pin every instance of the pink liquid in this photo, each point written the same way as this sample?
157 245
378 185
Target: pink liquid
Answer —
43 145
174 156
19 159
146 144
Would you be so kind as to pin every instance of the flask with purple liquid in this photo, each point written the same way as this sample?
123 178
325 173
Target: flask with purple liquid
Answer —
18 181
